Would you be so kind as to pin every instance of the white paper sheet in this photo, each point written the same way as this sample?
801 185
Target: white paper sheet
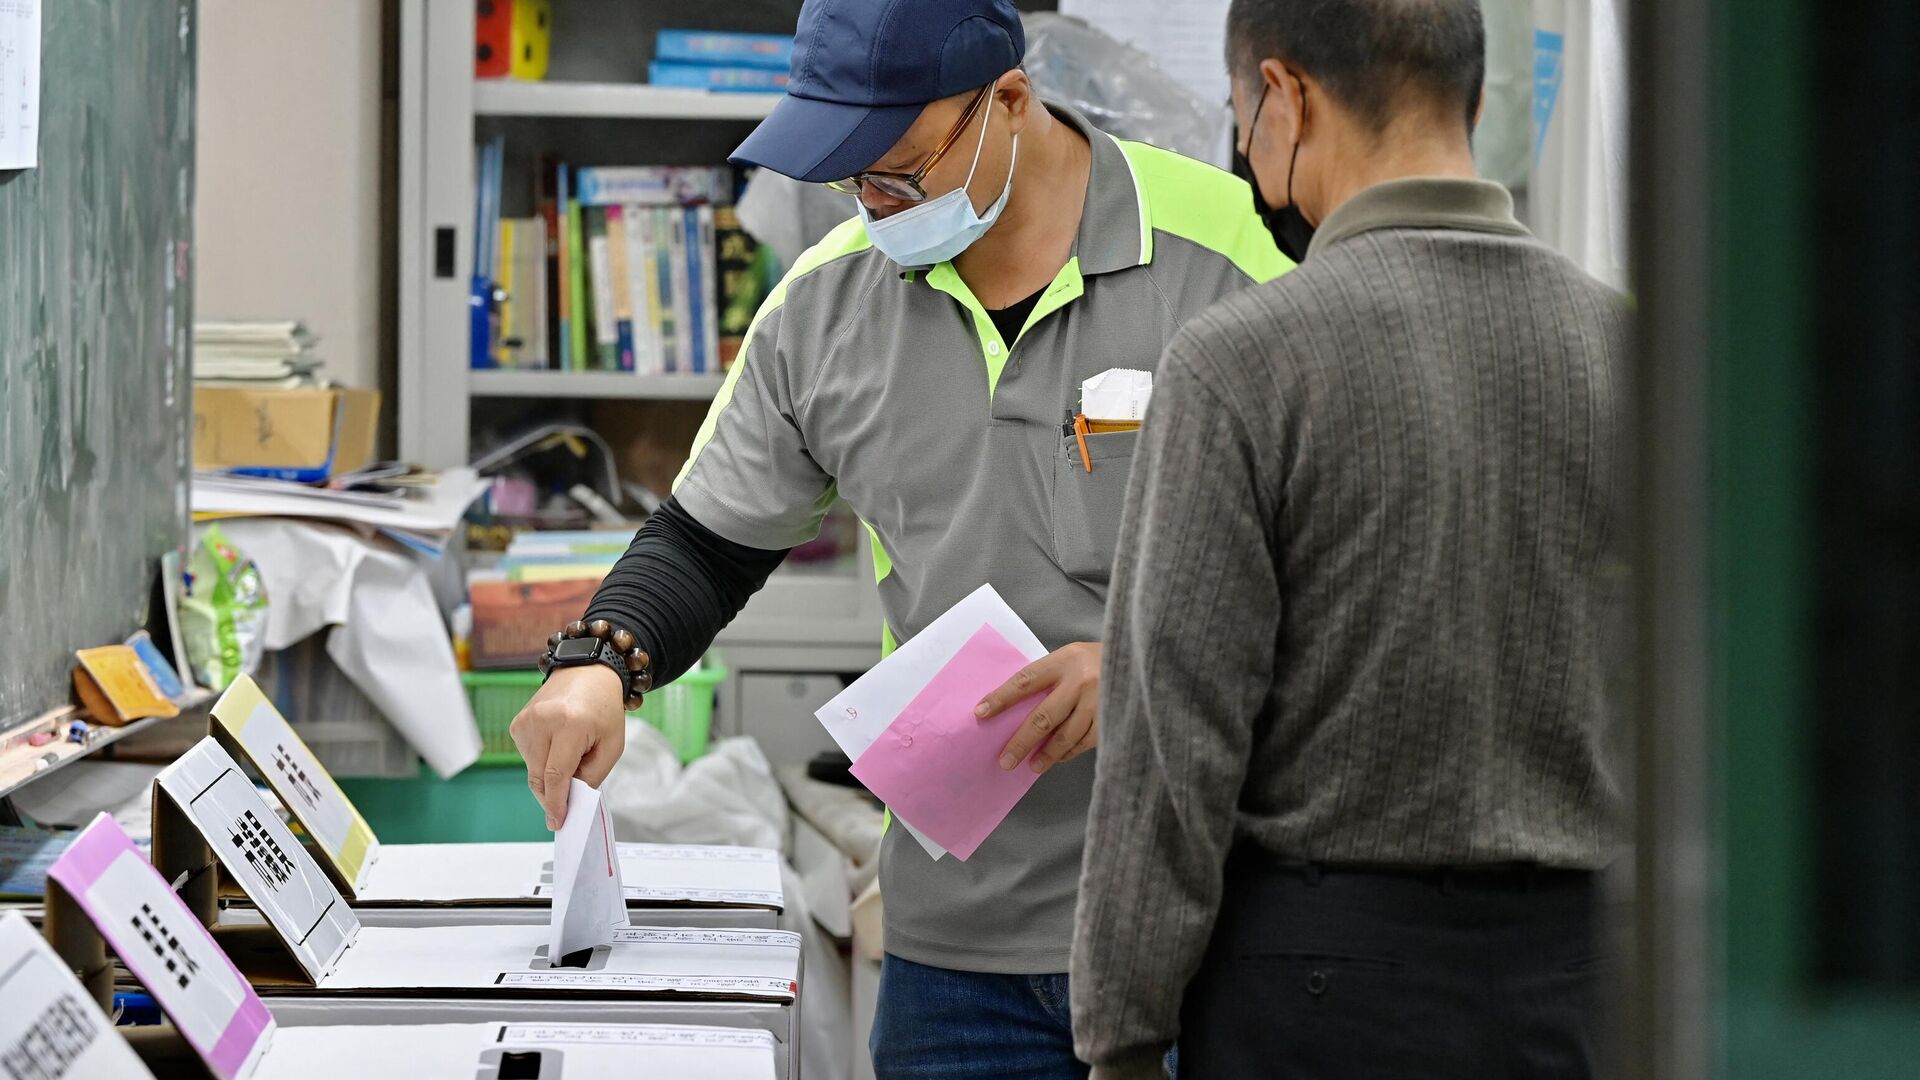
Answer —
1117 394
460 1051
439 510
378 601
1188 38
50 1026
588 902
857 715
762 964
19 84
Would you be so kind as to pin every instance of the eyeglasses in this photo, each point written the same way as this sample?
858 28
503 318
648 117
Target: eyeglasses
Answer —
906 186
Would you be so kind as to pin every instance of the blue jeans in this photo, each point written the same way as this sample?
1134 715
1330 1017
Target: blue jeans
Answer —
936 1024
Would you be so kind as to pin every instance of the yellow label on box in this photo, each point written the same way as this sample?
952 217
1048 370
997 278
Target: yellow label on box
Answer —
264 737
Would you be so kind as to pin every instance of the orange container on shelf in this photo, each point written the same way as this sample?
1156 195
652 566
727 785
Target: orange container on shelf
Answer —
513 619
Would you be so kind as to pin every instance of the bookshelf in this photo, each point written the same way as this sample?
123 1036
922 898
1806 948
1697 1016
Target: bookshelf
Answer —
593 384
811 624
619 101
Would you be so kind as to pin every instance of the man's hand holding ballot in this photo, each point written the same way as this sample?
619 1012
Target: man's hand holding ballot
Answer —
1067 723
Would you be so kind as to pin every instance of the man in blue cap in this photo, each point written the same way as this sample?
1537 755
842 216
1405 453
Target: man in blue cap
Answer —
924 363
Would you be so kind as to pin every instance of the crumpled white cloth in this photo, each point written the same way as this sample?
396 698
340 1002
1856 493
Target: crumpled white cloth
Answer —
388 636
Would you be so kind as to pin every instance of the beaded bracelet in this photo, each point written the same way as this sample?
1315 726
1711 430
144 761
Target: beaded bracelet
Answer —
639 674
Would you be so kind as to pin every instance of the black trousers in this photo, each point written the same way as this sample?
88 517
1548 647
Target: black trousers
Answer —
1324 973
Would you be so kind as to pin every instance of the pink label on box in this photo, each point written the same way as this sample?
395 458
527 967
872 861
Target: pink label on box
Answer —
175 958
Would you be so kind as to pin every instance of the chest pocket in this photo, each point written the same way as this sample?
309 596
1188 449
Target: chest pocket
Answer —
1087 505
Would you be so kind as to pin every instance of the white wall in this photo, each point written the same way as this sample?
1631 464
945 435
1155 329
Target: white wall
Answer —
288 162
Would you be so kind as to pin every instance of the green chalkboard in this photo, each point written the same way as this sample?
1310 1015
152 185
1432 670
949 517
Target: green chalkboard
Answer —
95 327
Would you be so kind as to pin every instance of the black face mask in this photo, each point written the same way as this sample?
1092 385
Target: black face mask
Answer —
1291 230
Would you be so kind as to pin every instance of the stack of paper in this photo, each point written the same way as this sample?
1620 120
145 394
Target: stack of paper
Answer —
423 522
254 354
909 727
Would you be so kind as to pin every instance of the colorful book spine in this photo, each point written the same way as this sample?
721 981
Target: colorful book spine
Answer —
563 267
577 287
709 291
669 302
684 328
738 282
549 285
719 78
530 278
641 313
656 315
506 332
606 332
772 51
622 289
486 245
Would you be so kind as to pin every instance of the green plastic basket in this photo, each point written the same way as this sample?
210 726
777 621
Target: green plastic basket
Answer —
682 711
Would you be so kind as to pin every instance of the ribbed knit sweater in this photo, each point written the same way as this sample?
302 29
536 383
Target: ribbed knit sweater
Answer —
1364 575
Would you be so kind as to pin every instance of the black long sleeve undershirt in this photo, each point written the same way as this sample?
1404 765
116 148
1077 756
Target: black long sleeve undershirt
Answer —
678 585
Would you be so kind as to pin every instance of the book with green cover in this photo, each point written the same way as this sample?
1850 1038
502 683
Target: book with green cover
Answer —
577 288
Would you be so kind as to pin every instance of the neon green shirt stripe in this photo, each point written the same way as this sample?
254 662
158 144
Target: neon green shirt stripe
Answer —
1184 197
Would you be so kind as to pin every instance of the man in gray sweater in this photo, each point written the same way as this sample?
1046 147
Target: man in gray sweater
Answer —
1350 790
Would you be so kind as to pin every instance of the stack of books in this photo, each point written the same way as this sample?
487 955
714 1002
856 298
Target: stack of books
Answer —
729 63
625 268
254 355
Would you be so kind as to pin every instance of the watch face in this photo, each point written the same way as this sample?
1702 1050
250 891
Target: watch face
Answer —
580 648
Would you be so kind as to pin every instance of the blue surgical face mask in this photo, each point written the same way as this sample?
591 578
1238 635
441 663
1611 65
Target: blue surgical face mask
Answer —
938 230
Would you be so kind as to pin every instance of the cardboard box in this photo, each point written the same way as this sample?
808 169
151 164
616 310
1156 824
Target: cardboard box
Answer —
306 435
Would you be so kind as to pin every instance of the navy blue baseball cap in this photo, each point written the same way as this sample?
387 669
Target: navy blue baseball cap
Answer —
864 69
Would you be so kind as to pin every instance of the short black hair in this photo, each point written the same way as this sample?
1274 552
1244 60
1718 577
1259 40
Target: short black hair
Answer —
1365 51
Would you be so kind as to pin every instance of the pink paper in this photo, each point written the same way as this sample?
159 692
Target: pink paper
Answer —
939 767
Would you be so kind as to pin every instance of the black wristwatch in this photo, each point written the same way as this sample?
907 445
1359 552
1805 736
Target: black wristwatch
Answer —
598 642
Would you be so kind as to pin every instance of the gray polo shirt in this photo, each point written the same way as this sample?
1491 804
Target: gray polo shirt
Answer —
894 391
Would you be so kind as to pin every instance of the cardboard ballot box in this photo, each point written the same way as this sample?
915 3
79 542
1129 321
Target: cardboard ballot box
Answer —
500 1051
103 892
456 884
208 818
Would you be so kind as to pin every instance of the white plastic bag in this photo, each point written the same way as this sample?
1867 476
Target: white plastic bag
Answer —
727 797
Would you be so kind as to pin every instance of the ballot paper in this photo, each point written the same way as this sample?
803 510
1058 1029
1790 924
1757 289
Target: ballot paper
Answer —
51 1027
462 1051
939 765
862 712
1117 394
589 904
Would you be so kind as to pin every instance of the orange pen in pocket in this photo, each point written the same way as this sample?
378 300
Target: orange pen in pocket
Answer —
1080 434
